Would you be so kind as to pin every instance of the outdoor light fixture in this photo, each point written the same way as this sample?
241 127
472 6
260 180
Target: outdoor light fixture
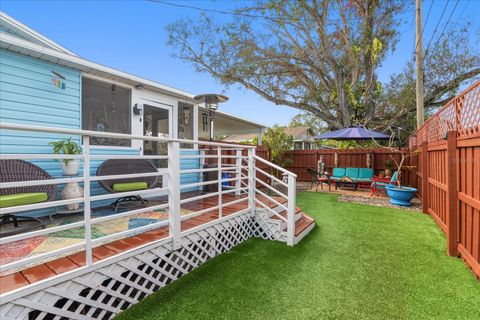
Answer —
211 101
139 86
136 110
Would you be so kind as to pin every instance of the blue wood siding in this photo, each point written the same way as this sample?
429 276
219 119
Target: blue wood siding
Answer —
187 178
27 96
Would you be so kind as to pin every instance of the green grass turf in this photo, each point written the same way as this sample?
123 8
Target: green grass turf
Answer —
360 262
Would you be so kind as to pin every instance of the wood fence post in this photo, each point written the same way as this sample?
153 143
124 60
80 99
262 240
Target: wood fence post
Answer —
452 194
425 177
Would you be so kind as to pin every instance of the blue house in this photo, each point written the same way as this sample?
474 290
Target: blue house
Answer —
45 84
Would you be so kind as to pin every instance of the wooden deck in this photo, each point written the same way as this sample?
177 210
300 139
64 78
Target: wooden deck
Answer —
57 266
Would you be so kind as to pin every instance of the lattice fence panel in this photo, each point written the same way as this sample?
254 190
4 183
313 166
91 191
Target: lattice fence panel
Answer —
107 291
469 112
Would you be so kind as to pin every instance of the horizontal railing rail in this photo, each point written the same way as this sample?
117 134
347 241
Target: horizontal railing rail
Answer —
288 182
237 182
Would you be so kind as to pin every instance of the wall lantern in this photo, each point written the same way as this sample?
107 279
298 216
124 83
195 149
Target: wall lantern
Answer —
136 110
211 101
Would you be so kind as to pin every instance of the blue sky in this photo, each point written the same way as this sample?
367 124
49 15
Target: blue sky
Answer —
130 36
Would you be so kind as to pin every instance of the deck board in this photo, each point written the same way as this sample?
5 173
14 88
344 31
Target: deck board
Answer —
57 266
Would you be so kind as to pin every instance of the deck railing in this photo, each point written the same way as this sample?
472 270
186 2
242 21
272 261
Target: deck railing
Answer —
242 183
288 183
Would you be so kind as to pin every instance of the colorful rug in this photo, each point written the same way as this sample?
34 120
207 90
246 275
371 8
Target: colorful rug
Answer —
22 249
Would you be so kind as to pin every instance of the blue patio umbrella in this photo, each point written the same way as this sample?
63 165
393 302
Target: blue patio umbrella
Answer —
353 133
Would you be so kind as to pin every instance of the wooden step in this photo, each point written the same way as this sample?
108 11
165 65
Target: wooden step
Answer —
284 214
301 224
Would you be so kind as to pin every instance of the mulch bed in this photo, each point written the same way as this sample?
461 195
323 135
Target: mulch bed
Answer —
380 202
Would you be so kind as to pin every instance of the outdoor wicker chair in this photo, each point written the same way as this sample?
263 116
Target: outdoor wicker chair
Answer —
19 170
127 166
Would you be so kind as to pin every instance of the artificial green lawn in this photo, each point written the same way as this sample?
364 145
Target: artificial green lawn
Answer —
360 262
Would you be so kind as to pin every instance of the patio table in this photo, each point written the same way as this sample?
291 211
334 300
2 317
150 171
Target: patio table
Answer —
353 185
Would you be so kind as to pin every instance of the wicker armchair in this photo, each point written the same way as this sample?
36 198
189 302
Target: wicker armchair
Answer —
127 166
19 170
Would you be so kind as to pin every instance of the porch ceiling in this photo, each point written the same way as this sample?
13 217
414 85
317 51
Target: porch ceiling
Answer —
226 124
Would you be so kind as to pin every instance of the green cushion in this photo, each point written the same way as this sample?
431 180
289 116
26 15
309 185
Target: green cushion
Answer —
22 199
365 173
351 172
338 172
130 186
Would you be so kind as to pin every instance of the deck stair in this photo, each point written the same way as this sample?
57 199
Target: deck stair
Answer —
274 227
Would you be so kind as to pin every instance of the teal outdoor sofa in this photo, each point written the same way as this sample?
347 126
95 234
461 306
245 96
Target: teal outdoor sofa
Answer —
362 176
356 174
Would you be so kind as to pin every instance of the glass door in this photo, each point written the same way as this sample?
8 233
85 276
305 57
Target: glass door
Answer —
157 122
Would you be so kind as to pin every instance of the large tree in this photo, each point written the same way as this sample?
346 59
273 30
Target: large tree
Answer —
450 65
319 56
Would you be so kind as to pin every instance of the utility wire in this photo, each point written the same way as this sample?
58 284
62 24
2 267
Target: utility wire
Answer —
436 27
443 30
234 13
423 29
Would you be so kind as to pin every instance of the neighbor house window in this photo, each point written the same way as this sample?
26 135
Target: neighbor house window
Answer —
106 107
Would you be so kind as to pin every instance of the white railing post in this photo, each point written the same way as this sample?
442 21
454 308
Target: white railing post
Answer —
202 164
174 192
238 172
219 178
251 180
292 185
86 200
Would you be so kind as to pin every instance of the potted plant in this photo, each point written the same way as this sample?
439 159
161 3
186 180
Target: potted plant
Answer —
398 194
70 167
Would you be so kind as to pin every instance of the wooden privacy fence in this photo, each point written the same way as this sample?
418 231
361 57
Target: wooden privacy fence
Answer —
449 173
357 158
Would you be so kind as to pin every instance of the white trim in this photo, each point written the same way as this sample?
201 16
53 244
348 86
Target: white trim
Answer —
15 24
22 127
25 47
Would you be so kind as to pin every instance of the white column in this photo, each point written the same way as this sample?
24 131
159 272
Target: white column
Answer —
251 180
292 185
260 136
219 178
86 200
174 192
238 172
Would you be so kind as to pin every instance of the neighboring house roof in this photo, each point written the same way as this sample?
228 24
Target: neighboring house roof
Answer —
240 137
299 133
17 37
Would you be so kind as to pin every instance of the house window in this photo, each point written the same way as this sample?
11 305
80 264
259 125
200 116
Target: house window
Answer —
297 145
106 107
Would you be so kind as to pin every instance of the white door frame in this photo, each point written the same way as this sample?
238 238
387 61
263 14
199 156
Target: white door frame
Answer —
171 129
167 107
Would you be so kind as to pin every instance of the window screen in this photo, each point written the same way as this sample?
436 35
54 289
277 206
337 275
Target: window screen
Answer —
106 107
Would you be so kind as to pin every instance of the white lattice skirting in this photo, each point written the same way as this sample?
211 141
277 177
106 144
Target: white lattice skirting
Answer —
112 285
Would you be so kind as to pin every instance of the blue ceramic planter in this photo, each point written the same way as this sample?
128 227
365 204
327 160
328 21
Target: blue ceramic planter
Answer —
401 196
